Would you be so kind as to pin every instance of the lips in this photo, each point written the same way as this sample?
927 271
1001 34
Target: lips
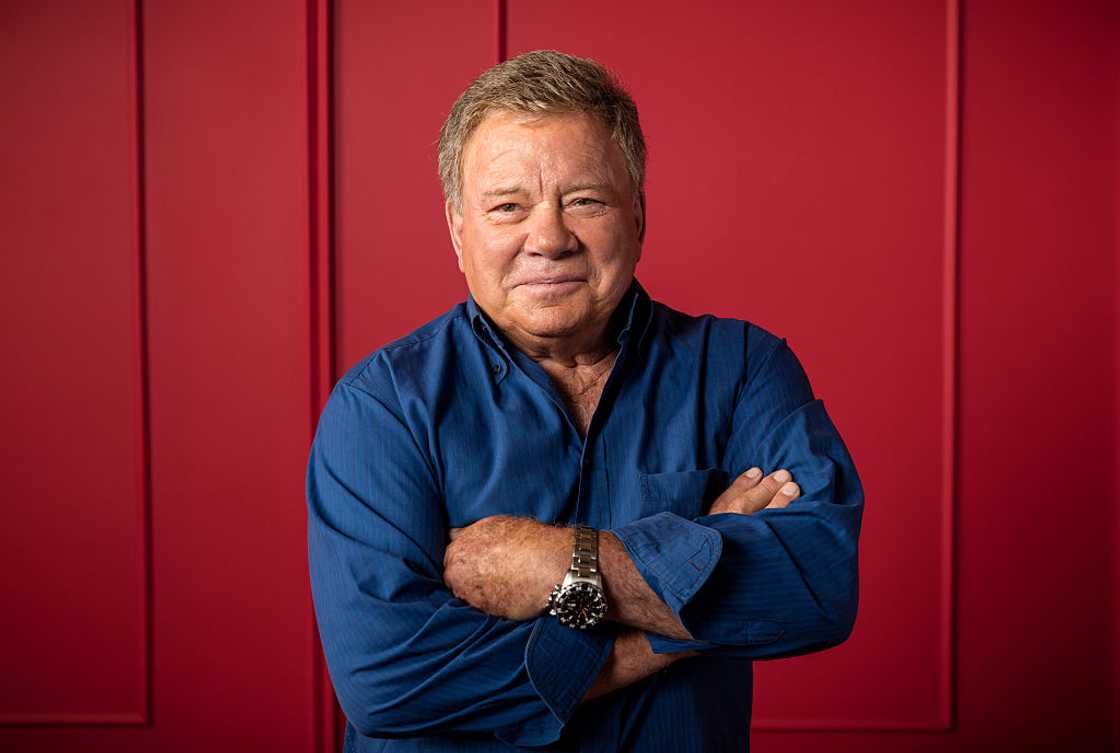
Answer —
553 280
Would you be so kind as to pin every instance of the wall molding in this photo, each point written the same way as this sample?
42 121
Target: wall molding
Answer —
327 718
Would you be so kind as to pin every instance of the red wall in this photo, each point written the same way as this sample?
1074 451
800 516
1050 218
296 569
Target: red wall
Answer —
214 209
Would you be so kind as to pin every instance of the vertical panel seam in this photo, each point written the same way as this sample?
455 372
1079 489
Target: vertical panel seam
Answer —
140 240
326 717
951 372
502 32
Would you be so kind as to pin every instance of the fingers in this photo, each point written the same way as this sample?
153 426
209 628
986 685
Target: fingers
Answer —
764 491
453 532
751 492
785 490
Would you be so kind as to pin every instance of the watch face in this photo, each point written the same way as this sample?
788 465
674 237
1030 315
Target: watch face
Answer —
580 605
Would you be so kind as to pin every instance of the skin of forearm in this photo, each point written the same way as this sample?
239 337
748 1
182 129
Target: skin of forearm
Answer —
631 660
506 566
630 600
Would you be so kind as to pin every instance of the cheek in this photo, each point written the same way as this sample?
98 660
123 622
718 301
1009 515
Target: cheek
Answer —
607 237
489 248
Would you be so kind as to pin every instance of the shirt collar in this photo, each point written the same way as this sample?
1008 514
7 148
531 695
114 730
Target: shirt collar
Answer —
635 305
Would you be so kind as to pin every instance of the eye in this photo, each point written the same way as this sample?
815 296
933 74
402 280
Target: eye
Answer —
506 208
585 206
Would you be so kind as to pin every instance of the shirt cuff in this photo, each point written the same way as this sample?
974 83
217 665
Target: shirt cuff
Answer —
662 645
562 663
675 556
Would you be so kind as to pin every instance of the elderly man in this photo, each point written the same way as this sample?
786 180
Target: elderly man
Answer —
561 515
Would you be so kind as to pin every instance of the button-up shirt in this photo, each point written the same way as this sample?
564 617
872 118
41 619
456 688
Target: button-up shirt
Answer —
452 423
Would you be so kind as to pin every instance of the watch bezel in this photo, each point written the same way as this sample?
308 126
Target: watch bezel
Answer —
564 599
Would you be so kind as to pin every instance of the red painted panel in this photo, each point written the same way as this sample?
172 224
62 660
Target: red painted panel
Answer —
796 179
399 67
1038 312
225 113
72 639
227 118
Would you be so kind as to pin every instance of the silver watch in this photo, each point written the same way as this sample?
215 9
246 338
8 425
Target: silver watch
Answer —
578 601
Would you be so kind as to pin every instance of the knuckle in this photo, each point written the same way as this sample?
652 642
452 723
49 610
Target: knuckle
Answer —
761 493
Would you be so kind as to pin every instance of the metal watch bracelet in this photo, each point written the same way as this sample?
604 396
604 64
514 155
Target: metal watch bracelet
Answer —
585 552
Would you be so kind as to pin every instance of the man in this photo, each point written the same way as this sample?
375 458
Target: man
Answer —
545 519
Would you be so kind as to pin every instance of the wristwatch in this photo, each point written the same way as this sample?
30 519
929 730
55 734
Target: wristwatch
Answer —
578 601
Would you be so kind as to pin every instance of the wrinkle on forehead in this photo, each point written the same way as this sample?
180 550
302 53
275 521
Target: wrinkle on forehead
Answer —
509 151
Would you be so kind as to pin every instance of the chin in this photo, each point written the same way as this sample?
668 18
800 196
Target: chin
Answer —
551 322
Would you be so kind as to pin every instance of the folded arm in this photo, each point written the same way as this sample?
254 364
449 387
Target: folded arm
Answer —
506 566
406 657
780 582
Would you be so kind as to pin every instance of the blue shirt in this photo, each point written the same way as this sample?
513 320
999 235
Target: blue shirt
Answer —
451 423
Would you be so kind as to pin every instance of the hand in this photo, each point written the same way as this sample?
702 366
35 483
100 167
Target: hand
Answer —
506 565
748 495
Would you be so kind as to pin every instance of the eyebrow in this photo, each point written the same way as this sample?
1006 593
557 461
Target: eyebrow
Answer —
606 187
502 191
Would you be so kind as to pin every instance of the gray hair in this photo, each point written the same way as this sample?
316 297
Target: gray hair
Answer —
542 81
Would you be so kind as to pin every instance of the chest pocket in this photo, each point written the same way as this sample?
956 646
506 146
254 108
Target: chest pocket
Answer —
687 493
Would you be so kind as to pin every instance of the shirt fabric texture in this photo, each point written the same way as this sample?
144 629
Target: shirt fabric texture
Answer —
451 424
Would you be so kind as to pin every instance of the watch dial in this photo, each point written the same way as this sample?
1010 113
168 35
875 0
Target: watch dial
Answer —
581 605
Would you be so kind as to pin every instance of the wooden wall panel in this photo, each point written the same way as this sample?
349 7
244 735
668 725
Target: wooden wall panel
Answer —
399 67
72 521
220 97
226 113
1037 379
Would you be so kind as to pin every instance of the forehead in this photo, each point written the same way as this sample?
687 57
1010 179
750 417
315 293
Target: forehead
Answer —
512 145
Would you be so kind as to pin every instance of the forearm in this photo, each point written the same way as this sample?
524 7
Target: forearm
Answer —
506 566
631 660
629 598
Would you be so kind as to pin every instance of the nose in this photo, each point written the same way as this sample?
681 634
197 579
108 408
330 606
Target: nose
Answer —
548 234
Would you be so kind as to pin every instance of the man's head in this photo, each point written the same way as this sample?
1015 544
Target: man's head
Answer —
543 163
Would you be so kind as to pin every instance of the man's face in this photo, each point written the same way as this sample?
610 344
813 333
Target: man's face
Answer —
546 197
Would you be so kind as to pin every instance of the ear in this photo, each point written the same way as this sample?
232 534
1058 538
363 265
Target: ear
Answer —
455 228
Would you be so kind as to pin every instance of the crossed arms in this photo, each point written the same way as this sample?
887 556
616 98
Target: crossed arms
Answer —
410 657
506 566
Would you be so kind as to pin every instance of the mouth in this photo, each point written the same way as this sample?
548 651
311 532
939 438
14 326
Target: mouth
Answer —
556 280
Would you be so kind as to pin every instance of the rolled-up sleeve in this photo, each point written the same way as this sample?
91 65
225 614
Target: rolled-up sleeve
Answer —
406 657
780 582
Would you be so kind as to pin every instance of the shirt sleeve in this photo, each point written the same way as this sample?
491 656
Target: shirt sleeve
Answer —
783 581
406 657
